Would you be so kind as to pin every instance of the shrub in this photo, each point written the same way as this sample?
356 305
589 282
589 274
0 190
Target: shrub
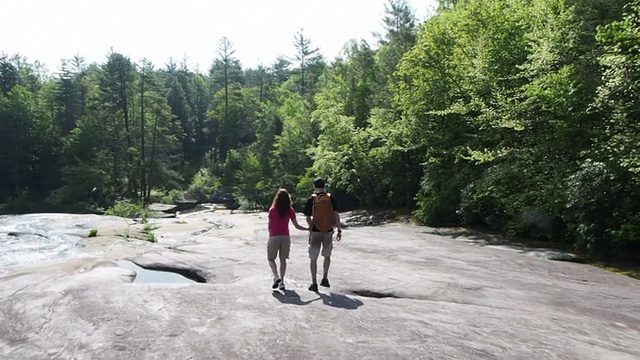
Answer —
93 232
602 210
31 202
436 206
439 196
520 196
627 239
149 227
172 197
128 209
202 186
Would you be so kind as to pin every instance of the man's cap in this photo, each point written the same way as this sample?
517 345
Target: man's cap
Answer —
318 183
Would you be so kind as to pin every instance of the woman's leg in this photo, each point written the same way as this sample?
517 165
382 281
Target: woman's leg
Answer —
272 253
283 267
285 249
274 267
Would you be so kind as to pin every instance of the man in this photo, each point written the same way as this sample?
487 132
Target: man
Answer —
322 215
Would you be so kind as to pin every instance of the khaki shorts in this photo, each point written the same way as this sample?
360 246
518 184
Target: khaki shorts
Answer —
278 244
318 239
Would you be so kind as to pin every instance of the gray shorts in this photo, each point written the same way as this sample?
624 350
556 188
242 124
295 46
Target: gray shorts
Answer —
318 240
278 245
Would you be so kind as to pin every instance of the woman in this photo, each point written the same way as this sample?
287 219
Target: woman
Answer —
279 239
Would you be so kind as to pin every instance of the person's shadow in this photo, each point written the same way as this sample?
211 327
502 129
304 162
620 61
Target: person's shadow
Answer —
340 301
291 297
331 299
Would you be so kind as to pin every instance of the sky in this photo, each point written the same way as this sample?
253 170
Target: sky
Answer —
260 30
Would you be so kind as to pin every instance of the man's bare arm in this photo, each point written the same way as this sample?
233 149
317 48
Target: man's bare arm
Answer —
336 216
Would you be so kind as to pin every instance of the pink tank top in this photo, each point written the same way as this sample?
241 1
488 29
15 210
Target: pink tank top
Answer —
279 225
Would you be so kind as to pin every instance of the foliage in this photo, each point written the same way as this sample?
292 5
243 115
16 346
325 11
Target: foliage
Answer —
151 237
148 231
517 197
202 186
93 232
251 191
128 209
168 197
602 210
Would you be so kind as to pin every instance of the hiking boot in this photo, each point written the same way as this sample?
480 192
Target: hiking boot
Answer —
313 287
324 282
276 283
281 287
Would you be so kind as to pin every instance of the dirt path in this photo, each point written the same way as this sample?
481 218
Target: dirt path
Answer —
398 292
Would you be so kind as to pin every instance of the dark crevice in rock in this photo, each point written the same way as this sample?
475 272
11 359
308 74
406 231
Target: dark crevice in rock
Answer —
190 274
556 256
215 225
374 294
201 231
24 233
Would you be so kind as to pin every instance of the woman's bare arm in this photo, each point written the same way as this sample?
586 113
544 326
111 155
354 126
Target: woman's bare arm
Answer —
298 226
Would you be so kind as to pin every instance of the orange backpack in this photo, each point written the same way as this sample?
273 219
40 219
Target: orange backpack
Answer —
322 212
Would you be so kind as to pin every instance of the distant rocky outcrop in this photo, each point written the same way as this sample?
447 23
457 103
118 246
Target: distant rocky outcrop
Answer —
173 208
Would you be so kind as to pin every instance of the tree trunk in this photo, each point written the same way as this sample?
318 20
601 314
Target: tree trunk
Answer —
153 155
226 107
302 78
125 109
143 190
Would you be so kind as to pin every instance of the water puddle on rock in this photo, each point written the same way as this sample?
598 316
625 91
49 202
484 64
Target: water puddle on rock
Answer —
154 276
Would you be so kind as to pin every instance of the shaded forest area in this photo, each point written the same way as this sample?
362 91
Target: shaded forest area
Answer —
519 116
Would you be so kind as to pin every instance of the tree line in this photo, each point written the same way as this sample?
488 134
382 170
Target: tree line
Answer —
519 116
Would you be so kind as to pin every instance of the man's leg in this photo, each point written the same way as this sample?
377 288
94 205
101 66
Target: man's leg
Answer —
314 271
314 251
325 266
327 247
